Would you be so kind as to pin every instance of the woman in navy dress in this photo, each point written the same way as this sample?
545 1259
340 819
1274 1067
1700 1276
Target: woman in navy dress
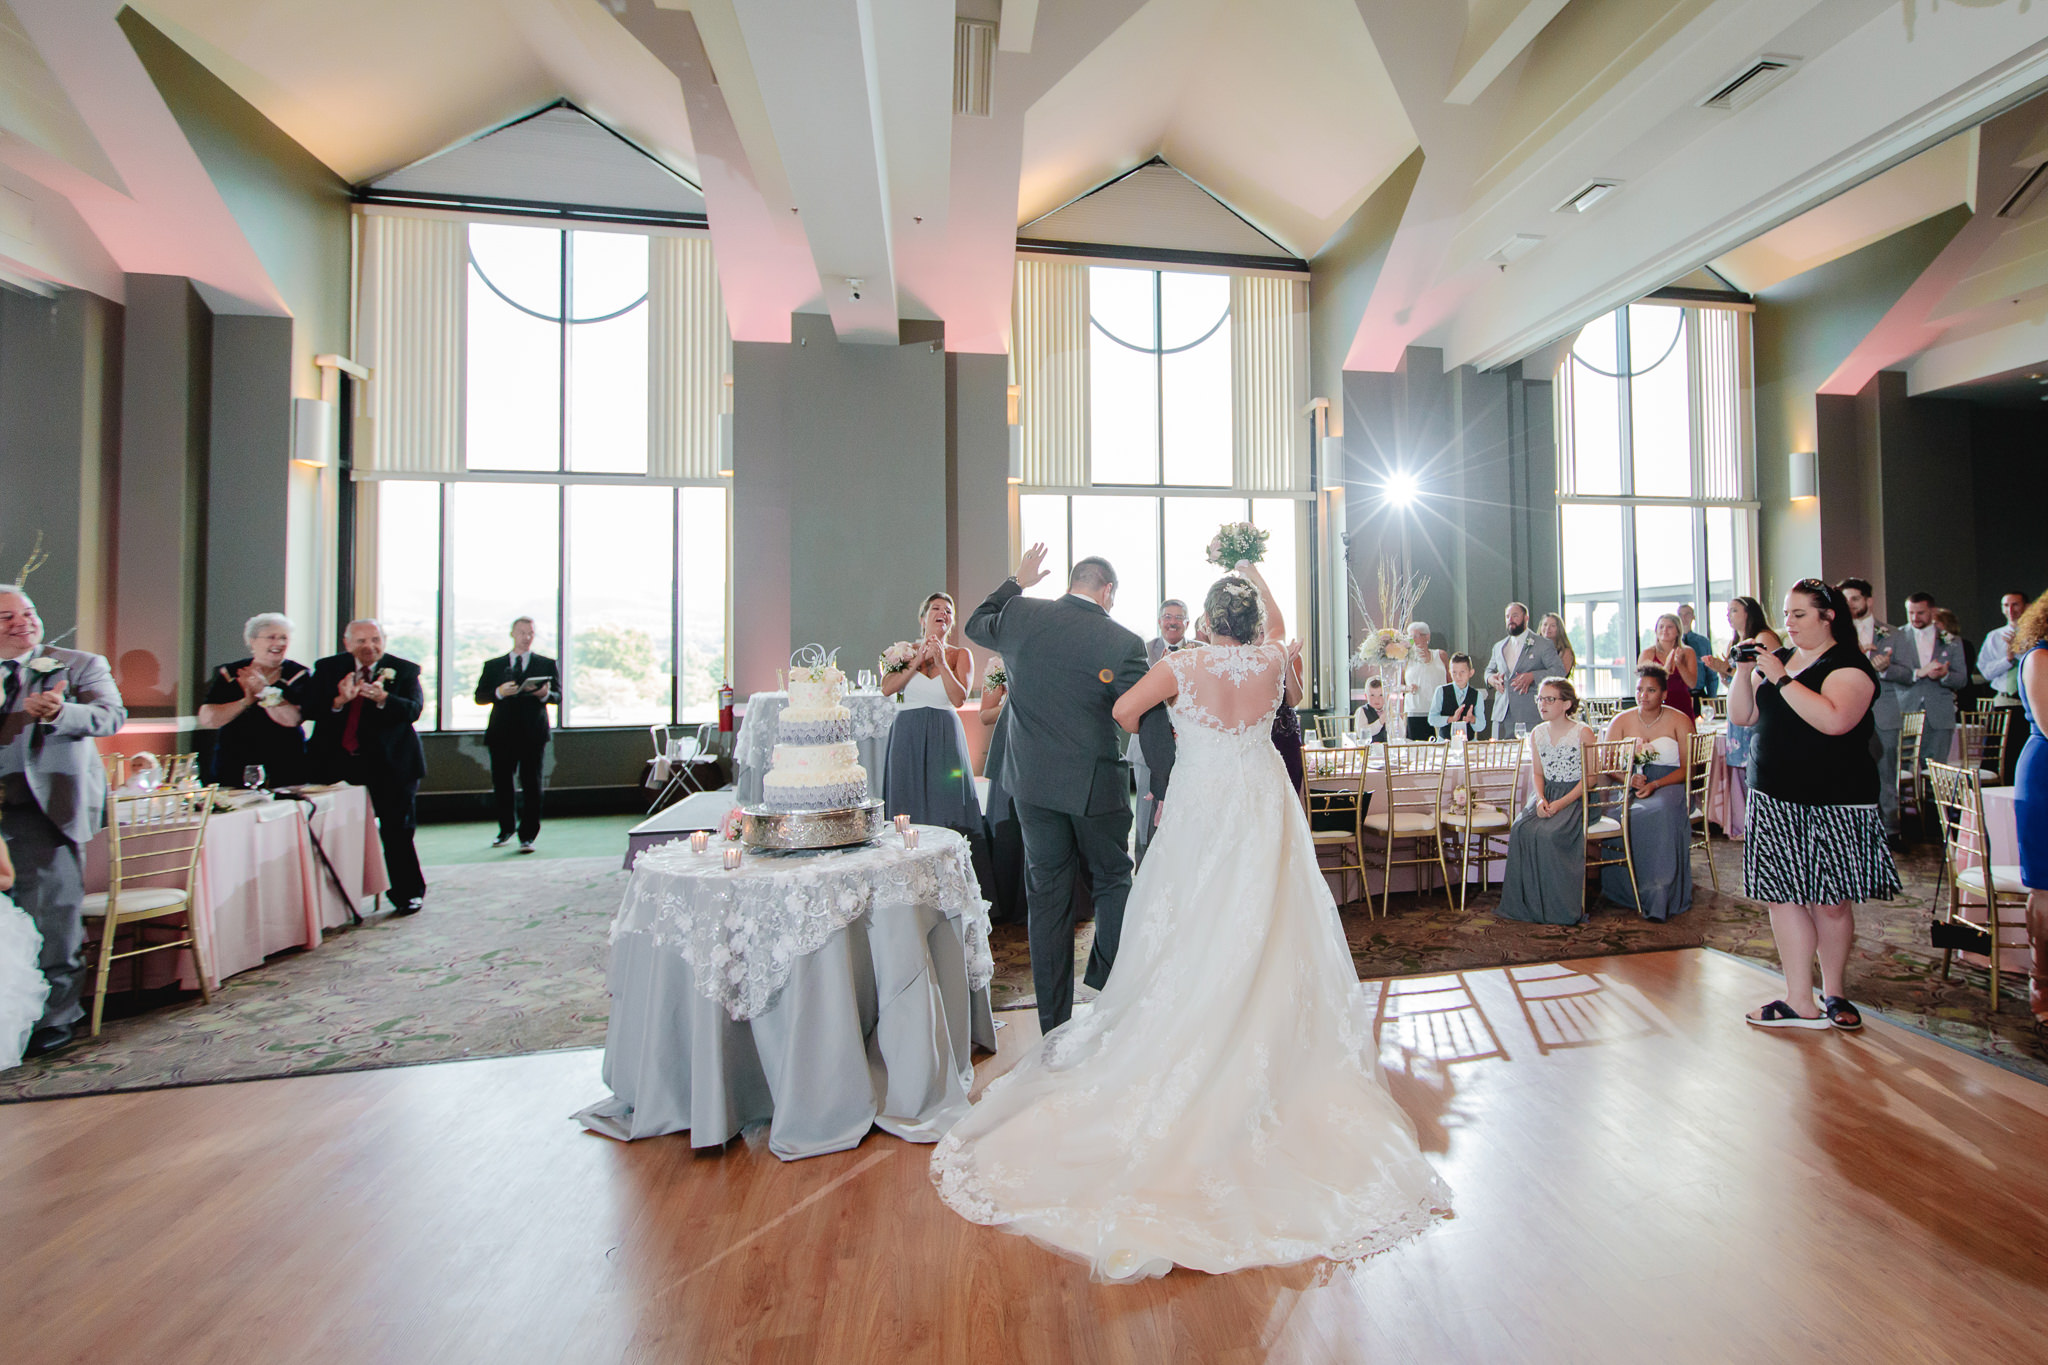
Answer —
2030 794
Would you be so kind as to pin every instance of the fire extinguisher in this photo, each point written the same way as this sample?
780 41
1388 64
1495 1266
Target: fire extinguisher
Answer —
725 708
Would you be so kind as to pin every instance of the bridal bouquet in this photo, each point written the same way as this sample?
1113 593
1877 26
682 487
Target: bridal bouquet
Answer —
995 675
897 657
1238 542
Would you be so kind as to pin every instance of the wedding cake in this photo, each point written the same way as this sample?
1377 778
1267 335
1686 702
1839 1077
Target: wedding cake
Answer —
816 764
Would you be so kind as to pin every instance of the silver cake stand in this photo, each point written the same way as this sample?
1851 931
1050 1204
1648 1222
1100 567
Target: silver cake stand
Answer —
764 828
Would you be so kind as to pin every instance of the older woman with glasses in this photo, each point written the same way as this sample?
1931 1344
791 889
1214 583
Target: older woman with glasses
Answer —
254 704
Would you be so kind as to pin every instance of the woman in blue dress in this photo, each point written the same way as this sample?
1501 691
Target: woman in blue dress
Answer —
2030 794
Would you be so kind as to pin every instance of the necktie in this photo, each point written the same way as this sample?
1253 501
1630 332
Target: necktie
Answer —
353 722
13 686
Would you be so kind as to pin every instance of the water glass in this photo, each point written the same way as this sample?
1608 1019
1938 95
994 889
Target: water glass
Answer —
1521 732
252 777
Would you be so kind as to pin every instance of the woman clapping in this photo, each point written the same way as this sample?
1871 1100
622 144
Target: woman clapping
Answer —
1816 841
254 704
929 777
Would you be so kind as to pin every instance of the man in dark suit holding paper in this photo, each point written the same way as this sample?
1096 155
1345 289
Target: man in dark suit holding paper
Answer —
518 688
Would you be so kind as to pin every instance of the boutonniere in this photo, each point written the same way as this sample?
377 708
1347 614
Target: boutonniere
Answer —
44 665
272 695
1881 632
385 675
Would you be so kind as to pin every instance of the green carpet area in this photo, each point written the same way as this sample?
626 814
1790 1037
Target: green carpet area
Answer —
509 957
578 836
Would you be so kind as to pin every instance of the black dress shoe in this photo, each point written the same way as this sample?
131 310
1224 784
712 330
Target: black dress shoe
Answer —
47 1040
501 841
409 905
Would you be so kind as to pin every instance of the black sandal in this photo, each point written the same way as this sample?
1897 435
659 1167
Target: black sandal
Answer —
1840 1013
1778 1014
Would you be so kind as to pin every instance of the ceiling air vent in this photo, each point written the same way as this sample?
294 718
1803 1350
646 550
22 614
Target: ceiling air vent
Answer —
1587 195
1751 83
2021 201
1514 248
974 55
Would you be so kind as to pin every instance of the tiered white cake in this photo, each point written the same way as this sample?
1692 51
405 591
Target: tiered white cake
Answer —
816 764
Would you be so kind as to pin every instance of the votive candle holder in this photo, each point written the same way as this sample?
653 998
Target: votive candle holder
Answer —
732 860
910 838
700 840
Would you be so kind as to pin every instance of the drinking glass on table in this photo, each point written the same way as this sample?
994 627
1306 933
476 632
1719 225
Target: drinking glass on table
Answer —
252 777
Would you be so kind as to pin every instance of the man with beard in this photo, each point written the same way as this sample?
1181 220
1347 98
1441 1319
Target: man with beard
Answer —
1874 636
1520 661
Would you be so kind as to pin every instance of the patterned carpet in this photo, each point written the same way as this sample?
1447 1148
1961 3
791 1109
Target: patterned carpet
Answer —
509 958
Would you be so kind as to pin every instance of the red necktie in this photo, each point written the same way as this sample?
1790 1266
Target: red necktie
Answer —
355 717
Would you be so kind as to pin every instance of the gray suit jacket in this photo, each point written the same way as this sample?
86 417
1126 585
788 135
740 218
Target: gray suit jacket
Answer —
1539 661
1935 696
60 761
1068 663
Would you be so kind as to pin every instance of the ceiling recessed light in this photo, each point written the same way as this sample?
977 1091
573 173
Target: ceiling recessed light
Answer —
1587 195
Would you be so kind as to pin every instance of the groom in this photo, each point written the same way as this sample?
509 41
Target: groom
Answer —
1064 770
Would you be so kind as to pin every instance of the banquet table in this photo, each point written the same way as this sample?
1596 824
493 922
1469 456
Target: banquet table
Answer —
824 993
261 888
872 713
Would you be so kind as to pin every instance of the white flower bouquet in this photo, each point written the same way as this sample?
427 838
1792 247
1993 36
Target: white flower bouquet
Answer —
995 675
897 657
1238 542
1385 645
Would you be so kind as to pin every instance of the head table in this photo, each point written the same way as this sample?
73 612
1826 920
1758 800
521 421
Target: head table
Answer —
873 714
825 993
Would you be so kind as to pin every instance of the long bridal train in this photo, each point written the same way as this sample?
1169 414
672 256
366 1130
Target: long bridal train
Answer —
1221 1106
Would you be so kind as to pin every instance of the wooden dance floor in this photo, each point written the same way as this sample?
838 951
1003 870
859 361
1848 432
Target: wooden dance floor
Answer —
1638 1176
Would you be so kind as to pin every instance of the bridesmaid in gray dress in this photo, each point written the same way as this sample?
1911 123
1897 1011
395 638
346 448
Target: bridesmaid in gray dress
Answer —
1546 869
1659 827
930 777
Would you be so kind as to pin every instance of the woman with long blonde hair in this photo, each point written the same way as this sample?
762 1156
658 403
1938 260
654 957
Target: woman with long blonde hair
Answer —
1552 629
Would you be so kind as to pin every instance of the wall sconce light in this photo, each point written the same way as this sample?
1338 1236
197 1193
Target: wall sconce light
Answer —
1016 434
1805 474
725 425
312 432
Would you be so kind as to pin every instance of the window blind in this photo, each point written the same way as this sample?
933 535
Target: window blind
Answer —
1268 383
414 302
687 344
1049 364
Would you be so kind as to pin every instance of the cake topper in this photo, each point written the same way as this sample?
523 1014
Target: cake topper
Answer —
813 657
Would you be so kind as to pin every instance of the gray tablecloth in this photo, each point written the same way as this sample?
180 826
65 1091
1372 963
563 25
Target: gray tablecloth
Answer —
824 994
873 714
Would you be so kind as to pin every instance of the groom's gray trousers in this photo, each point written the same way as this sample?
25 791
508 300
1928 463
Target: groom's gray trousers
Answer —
1055 846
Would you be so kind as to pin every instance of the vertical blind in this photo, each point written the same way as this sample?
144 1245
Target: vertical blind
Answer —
1268 382
1049 363
412 316
687 344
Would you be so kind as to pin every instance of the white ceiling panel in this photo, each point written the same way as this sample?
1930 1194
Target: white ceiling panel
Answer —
1154 206
558 156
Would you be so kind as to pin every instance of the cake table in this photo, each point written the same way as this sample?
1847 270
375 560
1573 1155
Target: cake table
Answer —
825 993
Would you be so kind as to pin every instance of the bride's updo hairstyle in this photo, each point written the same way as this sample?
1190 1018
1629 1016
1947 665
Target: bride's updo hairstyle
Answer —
1234 609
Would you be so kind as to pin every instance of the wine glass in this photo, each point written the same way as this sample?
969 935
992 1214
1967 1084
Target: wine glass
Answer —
1521 732
252 777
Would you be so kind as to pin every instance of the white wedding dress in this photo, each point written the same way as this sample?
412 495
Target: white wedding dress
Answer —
1221 1105
22 988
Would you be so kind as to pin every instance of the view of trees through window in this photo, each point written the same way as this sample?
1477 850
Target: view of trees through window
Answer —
1654 509
626 582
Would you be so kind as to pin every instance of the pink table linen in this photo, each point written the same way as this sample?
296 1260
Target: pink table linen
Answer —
261 886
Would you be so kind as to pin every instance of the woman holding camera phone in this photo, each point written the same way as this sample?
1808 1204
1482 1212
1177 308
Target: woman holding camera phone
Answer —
1752 636
1816 840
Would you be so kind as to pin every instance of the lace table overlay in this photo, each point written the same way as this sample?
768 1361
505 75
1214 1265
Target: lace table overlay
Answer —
743 931
872 714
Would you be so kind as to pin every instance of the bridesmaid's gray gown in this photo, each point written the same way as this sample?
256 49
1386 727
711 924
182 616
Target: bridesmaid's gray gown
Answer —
1546 868
1660 840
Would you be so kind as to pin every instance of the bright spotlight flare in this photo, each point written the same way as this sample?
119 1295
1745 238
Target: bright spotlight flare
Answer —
1401 489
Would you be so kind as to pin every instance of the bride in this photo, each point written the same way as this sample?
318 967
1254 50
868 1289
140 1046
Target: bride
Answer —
22 987
1221 1105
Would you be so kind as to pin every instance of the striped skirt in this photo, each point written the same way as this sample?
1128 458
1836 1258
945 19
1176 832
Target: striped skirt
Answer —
1815 855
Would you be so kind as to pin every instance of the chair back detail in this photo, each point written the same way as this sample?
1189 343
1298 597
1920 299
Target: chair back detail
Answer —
1699 798
1412 814
1978 892
1912 726
1330 728
1605 807
1479 811
154 841
1333 797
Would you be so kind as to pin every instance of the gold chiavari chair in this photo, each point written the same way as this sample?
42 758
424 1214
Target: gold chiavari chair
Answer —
1329 729
1980 738
1333 795
1711 708
1597 711
1699 797
153 838
1480 810
1412 814
1995 889
181 770
1604 810
1912 726
116 765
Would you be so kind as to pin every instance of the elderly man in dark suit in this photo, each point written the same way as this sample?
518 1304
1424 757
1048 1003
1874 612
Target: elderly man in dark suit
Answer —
53 794
363 704
517 687
1065 772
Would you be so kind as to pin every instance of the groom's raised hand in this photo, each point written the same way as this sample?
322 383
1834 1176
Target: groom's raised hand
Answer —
1031 568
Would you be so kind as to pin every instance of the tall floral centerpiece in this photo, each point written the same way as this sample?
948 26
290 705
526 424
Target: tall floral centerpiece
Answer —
1384 646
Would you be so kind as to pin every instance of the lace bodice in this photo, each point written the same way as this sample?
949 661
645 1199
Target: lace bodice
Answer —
1562 762
1231 689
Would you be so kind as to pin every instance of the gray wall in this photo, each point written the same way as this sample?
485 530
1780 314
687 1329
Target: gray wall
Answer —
1803 328
1342 276
1484 530
839 496
978 483
59 385
249 441
159 504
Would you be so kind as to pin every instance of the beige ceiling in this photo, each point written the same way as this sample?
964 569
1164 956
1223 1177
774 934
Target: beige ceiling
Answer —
374 85
1280 107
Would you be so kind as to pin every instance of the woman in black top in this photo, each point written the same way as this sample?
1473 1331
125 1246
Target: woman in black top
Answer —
254 704
1816 840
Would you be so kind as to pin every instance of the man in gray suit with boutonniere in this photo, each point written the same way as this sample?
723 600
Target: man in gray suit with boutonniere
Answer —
53 794
1520 661
1928 666
1068 663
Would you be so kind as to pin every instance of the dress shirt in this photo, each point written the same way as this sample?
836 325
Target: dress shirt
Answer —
519 663
14 756
1925 638
1866 632
1995 663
